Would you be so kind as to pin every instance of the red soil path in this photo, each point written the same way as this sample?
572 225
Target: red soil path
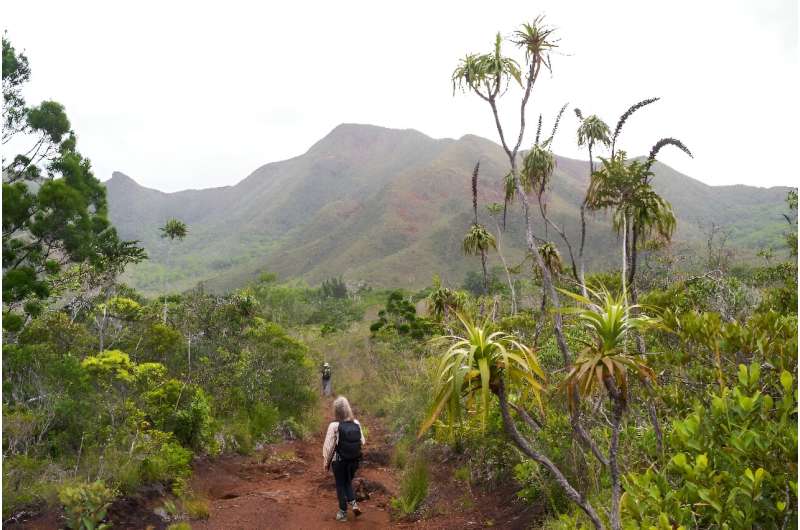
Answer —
284 487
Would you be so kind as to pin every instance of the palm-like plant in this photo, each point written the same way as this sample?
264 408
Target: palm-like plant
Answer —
442 300
478 239
592 131
477 242
608 321
604 362
486 74
173 229
551 257
472 367
536 39
537 168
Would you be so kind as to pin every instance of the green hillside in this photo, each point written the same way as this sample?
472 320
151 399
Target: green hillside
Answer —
388 207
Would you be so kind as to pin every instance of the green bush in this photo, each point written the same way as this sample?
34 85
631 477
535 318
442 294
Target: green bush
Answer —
169 462
85 505
413 488
731 462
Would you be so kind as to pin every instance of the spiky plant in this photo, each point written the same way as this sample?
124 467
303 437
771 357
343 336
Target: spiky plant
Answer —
609 322
174 229
536 39
551 257
605 363
472 366
592 131
624 118
556 123
537 168
486 74
477 240
442 300
651 158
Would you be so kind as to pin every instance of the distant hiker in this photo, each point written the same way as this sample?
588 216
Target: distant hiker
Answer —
326 379
342 452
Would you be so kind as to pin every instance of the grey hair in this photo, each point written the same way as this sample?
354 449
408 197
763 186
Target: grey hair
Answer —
342 410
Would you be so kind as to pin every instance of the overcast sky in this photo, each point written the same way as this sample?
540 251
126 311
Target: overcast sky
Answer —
197 94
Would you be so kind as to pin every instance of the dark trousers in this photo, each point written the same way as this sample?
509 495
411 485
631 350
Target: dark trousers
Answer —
343 472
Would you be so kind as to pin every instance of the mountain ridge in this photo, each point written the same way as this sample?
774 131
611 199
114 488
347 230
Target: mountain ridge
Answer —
388 206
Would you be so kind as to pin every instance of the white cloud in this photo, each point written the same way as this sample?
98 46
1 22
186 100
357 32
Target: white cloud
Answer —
197 94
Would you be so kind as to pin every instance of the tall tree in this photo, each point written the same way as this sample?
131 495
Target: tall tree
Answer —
488 76
591 132
54 209
173 229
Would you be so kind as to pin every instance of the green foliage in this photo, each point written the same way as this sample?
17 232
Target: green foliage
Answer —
400 316
333 288
54 209
413 488
729 465
471 367
609 321
473 284
85 505
174 229
170 462
478 240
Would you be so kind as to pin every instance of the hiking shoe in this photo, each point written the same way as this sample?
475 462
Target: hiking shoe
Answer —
356 509
341 515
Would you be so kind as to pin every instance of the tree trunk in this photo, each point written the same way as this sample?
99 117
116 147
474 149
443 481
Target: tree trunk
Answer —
651 410
485 274
625 259
505 267
524 446
581 258
618 401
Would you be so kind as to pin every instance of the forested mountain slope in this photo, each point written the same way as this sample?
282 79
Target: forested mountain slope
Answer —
389 207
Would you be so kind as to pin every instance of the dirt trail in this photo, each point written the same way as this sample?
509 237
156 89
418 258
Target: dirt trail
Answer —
284 486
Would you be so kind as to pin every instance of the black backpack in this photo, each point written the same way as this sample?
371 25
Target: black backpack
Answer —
349 445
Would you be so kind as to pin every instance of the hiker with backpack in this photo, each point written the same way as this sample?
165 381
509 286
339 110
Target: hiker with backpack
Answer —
342 453
326 379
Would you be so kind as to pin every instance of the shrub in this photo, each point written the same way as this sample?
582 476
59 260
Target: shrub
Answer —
413 488
170 461
196 508
731 466
85 505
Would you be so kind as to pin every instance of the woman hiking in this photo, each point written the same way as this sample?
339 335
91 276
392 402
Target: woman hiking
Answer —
342 452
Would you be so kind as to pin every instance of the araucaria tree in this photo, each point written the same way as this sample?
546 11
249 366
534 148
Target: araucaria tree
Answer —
55 216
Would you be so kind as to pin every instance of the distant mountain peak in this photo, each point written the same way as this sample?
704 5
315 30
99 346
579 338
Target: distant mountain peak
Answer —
361 135
122 180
